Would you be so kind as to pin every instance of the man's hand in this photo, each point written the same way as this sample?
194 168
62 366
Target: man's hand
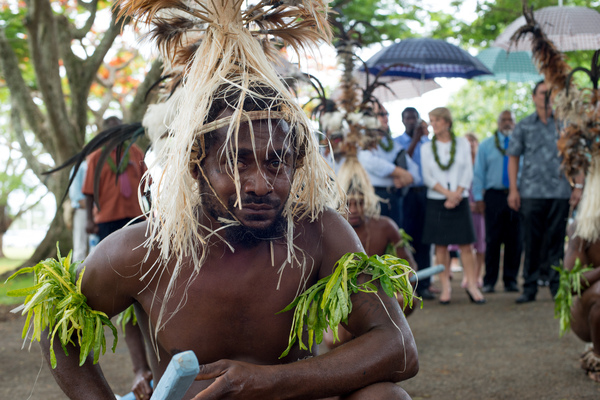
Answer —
479 207
235 380
514 199
575 197
91 227
401 177
141 385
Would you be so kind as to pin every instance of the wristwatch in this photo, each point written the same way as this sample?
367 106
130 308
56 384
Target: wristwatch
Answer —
578 186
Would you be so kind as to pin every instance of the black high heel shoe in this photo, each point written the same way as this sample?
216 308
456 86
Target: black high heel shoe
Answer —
480 301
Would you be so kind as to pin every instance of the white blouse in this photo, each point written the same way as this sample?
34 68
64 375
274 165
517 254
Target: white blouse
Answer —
459 174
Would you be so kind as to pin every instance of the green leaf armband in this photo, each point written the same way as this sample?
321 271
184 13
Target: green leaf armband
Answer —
327 303
56 303
569 283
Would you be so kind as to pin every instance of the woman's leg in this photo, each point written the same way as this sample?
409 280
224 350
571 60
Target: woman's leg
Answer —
469 269
442 256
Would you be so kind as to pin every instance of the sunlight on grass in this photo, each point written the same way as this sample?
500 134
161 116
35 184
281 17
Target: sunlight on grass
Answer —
15 256
19 282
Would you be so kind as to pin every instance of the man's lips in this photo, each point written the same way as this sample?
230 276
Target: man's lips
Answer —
257 207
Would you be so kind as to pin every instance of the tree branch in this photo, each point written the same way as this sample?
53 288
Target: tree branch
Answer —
43 39
92 7
15 119
140 102
19 92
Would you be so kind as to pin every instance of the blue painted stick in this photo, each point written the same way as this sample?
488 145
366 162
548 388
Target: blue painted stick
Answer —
427 272
178 377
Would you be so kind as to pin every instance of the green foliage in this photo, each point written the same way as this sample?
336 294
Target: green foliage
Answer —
569 285
376 20
11 21
327 303
19 282
127 316
477 105
56 303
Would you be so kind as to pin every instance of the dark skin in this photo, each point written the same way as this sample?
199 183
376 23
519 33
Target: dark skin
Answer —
585 312
229 316
375 234
415 128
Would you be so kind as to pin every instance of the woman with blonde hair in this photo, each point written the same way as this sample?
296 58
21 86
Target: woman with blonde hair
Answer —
448 173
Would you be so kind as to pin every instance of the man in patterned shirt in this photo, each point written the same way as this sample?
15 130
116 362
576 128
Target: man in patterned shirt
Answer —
543 195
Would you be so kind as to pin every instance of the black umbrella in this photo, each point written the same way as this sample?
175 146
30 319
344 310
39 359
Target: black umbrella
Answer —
425 58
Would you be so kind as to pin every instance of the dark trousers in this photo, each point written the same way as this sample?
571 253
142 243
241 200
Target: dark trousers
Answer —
543 217
413 209
502 226
106 228
393 207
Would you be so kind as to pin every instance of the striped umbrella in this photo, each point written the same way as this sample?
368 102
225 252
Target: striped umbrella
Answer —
515 66
569 28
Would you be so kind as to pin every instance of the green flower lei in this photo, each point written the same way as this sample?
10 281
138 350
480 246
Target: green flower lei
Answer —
497 141
327 303
390 143
452 152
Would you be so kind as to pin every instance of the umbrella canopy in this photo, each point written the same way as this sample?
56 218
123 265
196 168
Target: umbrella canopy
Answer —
569 28
515 66
425 58
399 88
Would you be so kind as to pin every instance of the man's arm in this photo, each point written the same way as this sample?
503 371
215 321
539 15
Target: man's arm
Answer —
383 349
514 198
576 249
106 290
90 226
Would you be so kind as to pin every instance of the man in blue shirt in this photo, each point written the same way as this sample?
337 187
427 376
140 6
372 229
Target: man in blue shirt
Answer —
416 197
490 192
543 193
386 173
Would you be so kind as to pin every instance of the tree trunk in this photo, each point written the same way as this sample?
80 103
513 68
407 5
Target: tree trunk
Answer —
1 244
58 231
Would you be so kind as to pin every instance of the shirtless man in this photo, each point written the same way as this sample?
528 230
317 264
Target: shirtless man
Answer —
227 312
375 235
585 312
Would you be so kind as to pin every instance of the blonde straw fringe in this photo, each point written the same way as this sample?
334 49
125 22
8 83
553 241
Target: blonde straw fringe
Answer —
229 54
588 211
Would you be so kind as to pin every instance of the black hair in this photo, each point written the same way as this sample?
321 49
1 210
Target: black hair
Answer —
410 109
535 88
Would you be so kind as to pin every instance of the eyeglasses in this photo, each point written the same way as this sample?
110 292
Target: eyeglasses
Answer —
383 114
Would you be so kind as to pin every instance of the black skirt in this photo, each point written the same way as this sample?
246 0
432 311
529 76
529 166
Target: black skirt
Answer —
444 226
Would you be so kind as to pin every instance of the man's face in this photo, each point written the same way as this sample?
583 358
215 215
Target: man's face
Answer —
383 118
265 174
539 97
410 119
506 122
356 216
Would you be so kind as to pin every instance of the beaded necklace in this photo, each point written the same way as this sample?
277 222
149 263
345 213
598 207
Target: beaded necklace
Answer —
452 152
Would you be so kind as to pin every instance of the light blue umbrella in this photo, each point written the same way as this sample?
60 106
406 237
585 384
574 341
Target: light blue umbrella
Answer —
515 66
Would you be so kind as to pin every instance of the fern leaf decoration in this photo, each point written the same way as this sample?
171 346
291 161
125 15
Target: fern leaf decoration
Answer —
55 303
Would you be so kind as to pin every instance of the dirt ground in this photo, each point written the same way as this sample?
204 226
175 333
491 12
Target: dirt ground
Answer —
497 351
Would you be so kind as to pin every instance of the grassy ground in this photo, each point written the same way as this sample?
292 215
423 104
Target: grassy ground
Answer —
14 258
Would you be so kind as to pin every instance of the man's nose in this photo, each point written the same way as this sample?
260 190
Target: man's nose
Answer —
258 183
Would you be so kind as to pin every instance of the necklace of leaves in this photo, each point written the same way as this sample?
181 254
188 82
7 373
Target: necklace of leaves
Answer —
452 152
386 145
122 164
500 148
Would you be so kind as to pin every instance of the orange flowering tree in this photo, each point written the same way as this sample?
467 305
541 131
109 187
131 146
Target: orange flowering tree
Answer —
63 65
